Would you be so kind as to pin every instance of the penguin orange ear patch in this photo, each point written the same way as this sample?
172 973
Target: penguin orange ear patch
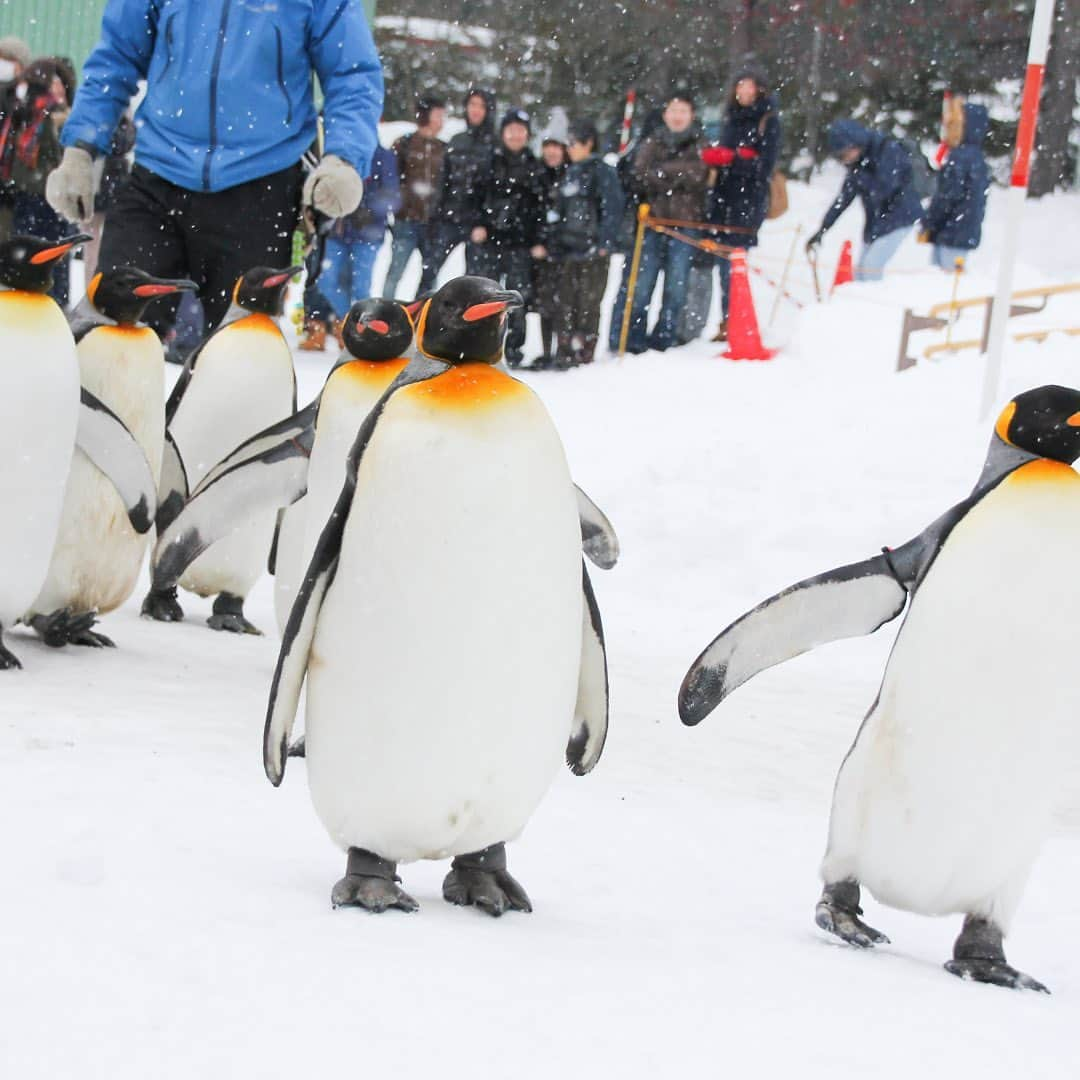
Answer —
1003 422
92 288
1074 420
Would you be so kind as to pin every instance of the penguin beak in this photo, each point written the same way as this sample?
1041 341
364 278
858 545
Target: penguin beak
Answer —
48 255
377 326
281 277
164 288
502 301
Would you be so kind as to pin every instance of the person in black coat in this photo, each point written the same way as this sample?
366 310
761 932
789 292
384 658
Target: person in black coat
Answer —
553 163
743 160
953 221
456 209
511 207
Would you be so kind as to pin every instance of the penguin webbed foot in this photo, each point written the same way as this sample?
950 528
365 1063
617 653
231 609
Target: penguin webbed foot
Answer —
8 660
63 628
371 882
481 880
979 956
838 912
229 616
162 606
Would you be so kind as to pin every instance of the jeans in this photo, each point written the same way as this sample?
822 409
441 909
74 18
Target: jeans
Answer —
723 268
438 242
658 253
346 273
945 257
408 237
877 253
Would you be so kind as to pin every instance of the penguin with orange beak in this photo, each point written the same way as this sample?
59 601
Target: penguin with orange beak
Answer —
453 543
99 547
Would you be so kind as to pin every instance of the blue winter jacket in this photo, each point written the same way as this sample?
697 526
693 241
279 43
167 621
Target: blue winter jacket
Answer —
382 197
229 88
881 178
955 216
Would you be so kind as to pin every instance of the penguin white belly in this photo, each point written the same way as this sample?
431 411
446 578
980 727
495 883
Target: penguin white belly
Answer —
242 383
349 395
98 555
444 668
946 795
39 406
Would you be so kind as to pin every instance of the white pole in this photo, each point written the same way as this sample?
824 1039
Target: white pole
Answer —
1025 140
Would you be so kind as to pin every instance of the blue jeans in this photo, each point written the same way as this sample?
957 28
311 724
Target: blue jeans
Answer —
878 252
945 257
723 268
408 237
658 253
346 274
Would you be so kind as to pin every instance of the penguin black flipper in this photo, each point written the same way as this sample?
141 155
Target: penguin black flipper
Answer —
104 438
591 711
299 633
223 501
173 485
598 539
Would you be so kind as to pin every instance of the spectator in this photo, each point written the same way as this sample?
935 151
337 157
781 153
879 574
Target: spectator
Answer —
355 239
216 184
953 222
545 271
669 168
456 211
420 157
114 175
878 172
743 161
14 58
510 213
580 235
44 101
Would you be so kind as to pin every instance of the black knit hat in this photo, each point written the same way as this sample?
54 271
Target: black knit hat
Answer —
516 116
583 130
750 67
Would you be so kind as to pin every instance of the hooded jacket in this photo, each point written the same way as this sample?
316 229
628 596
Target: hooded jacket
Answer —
466 169
881 177
585 211
229 95
955 216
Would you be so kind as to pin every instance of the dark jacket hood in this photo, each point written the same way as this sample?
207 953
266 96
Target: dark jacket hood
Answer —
766 103
976 124
489 99
845 133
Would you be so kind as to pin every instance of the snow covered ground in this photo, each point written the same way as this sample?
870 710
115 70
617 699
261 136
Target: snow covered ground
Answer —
165 911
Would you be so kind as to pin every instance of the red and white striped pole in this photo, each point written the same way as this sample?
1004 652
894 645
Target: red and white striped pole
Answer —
1025 141
627 120
943 147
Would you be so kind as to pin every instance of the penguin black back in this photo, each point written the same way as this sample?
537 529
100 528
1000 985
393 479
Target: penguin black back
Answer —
1043 421
262 289
26 262
377 329
465 321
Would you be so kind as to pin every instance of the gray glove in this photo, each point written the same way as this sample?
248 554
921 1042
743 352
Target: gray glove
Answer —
334 188
70 186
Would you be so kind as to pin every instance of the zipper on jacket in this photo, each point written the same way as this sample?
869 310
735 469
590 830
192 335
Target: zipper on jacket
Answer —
281 76
168 44
215 71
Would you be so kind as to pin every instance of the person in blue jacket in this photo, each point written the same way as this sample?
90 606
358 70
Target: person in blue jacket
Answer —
217 182
355 240
953 221
878 172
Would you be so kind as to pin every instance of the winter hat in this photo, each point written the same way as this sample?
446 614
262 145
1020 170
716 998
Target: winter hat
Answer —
845 133
555 131
583 130
751 68
516 116
13 48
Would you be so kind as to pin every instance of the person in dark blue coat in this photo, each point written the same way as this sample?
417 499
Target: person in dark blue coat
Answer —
879 173
744 160
953 221
228 114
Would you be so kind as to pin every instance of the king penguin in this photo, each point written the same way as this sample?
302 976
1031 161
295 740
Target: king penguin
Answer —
238 381
39 410
446 624
946 794
98 552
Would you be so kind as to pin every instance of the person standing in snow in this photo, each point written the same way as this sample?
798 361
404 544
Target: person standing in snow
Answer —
14 59
879 173
420 156
669 168
456 211
553 163
580 236
229 111
953 221
744 161
511 207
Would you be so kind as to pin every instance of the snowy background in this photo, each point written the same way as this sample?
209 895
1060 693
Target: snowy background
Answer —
165 911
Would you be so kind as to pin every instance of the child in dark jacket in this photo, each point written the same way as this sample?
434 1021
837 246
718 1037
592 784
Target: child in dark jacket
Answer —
580 235
953 222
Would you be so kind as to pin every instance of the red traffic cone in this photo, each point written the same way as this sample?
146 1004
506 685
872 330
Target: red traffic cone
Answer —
845 269
744 341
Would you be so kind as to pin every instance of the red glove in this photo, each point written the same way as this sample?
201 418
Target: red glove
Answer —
747 153
718 157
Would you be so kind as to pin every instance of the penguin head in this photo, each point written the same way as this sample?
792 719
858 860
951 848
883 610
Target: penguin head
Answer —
27 262
262 289
465 321
1044 421
377 329
124 293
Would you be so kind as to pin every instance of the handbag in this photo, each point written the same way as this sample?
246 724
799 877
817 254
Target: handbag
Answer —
777 205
